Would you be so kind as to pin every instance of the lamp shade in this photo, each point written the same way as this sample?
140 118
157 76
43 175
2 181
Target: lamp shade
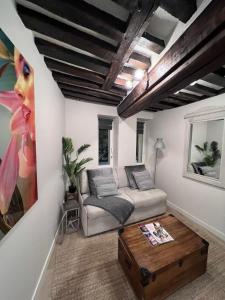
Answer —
159 144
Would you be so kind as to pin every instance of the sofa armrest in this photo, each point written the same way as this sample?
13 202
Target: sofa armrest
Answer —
81 198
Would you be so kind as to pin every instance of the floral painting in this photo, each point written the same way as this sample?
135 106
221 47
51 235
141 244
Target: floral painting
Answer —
18 179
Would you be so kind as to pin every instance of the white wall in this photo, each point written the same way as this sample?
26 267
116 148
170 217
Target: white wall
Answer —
199 133
201 201
82 127
24 250
215 132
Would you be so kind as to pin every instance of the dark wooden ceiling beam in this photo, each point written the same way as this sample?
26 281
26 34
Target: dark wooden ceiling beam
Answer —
128 70
181 9
190 97
131 6
138 23
183 98
177 102
141 58
215 79
220 72
152 43
86 15
58 66
136 64
63 78
90 92
199 51
86 98
61 53
153 109
162 106
89 86
120 82
118 90
65 33
201 89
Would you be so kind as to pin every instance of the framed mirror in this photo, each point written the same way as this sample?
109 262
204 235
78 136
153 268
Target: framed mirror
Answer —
204 158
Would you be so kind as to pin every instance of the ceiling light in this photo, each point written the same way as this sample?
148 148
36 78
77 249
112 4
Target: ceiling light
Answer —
176 93
193 83
139 74
129 84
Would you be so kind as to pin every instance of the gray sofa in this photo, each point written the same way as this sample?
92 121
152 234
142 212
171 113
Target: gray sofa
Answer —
96 220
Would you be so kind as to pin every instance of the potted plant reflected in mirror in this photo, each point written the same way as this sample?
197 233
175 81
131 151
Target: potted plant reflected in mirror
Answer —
210 156
73 167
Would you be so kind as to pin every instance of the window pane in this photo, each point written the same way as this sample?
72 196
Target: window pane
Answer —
139 142
206 139
104 146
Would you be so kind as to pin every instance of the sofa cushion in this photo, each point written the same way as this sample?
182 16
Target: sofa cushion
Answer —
84 186
145 198
105 186
96 212
104 172
143 180
130 177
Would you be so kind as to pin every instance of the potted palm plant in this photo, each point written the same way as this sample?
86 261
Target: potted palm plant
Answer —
73 167
210 153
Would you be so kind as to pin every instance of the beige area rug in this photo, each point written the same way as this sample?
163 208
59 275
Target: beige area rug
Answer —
87 269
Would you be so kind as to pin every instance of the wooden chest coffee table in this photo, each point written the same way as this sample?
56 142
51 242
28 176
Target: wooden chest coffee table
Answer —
157 271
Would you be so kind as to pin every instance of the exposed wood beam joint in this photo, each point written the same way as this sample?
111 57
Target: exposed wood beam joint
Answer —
138 23
152 43
199 51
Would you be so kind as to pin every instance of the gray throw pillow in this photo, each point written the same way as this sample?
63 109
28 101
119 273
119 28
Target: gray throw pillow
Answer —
143 180
105 186
104 172
130 177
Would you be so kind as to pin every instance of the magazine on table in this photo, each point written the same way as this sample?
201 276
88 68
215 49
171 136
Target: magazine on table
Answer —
155 233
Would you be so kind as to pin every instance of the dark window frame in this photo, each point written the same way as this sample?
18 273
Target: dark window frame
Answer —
140 130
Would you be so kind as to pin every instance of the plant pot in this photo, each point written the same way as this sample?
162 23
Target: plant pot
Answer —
72 189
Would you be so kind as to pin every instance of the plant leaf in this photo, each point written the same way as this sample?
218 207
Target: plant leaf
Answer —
82 148
214 146
205 146
4 54
80 164
200 149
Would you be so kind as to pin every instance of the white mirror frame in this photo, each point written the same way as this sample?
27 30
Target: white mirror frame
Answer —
207 114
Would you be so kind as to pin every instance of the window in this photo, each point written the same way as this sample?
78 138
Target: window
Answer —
140 141
105 141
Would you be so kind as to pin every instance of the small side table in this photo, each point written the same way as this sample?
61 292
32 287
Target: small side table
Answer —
71 213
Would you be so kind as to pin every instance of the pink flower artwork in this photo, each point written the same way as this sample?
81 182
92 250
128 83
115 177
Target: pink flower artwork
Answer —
18 180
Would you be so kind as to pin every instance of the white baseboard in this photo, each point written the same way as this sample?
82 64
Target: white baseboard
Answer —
210 228
45 266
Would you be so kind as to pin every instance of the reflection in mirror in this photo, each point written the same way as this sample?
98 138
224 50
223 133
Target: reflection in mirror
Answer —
205 147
